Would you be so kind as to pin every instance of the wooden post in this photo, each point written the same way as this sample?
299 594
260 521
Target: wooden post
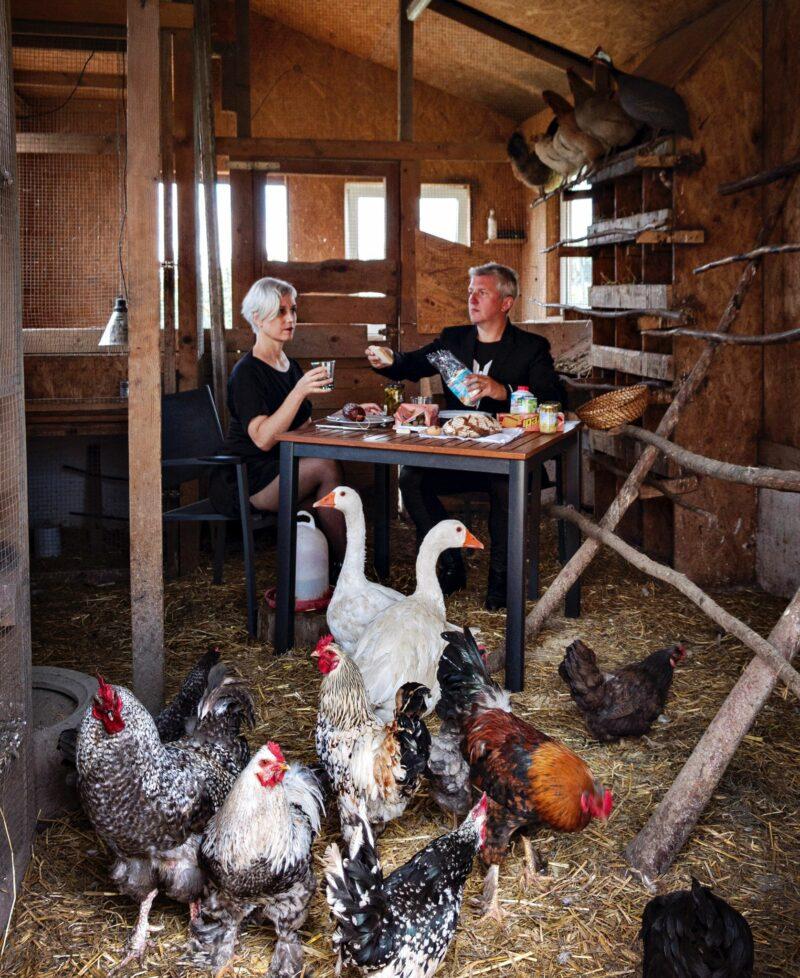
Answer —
188 319
167 180
405 73
661 839
144 363
243 68
205 136
409 204
552 261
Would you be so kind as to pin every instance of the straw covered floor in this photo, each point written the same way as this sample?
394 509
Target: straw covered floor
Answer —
580 918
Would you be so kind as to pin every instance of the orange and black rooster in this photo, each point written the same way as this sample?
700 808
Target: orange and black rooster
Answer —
623 703
530 778
695 934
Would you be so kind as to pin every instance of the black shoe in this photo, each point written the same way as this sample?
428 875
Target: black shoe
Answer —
452 576
496 591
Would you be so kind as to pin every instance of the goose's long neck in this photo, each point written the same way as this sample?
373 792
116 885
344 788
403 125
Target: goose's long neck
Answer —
428 586
356 550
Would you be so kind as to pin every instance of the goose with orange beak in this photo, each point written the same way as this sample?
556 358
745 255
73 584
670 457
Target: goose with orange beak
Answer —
403 643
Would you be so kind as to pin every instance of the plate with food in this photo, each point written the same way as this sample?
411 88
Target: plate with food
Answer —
354 416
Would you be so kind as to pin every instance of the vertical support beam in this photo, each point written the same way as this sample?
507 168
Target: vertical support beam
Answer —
409 210
405 73
144 362
167 180
205 135
188 325
243 224
243 68
552 261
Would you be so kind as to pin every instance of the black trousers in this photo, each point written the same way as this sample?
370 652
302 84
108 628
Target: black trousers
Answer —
421 489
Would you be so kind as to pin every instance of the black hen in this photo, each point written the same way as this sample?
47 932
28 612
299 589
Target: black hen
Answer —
401 926
695 934
179 716
527 166
623 703
411 731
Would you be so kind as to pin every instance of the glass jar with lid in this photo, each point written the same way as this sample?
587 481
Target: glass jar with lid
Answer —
393 397
548 417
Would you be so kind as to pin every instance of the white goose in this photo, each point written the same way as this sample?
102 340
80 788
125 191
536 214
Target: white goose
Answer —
356 600
404 642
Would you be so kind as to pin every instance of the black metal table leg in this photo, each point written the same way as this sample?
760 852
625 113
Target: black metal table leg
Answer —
535 481
572 535
382 517
287 541
561 524
517 538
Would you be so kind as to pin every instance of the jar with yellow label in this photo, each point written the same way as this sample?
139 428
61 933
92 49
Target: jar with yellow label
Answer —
548 417
393 397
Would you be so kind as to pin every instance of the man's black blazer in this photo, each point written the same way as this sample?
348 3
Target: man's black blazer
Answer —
523 359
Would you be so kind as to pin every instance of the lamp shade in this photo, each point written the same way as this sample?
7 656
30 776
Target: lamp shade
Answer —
116 331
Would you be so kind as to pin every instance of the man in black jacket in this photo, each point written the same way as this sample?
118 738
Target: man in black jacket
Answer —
502 357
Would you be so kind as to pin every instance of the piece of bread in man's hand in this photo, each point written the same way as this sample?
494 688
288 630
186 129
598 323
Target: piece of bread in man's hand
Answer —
382 353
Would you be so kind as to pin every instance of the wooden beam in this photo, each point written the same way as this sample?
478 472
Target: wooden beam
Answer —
537 47
338 276
347 309
407 244
242 68
405 74
630 296
552 261
661 366
64 79
172 16
264 148
682 236
88 144
243 256
144 362
167 180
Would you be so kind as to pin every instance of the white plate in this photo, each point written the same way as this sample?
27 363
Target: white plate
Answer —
371 420
458 414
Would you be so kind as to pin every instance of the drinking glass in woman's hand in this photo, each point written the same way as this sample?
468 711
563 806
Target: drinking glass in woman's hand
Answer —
314 381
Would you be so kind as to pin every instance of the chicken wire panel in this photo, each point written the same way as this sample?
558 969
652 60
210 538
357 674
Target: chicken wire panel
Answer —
16 787
72 204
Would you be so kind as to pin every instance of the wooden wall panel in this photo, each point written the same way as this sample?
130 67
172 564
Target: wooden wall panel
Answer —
316 217
74 377
723 420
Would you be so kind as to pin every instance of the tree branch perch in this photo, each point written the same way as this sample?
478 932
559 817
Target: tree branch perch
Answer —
763 339
747 256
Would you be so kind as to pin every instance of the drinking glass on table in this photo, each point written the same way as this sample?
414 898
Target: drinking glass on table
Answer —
422 399
330 366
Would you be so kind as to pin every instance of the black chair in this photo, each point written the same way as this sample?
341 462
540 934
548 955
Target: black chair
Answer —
190 436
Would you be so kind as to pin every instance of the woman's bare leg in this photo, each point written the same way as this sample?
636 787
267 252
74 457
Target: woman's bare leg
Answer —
316 477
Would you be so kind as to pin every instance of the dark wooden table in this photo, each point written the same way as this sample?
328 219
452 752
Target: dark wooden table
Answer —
520 460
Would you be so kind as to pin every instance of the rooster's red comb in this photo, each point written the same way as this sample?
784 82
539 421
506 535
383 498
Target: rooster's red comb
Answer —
275 750
105 693
323 643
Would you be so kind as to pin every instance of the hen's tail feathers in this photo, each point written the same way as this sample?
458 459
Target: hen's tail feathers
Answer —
355 894
518 148
303 789
411 732
579 671
464 678
225 707
180 715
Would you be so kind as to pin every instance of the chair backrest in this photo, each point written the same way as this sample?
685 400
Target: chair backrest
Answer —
190 428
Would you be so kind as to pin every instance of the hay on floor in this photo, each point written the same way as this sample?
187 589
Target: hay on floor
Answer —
582 918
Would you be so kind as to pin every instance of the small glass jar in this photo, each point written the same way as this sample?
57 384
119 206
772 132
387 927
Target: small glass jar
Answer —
548 417
393 397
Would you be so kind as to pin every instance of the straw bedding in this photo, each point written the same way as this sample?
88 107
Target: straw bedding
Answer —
581 917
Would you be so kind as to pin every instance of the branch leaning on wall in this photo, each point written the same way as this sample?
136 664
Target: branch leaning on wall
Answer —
784 480
763 339
681 582
756 253
629 492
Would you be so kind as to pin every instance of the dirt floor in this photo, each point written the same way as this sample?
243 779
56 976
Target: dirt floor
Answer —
582 917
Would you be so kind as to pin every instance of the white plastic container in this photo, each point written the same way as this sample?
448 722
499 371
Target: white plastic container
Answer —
311 577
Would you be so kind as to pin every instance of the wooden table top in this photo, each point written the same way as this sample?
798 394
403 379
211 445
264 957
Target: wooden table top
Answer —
522 448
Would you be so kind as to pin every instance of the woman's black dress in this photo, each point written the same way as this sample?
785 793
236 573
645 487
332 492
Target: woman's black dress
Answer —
254 388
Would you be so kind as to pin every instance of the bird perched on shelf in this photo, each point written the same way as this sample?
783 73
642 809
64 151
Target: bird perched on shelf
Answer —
401 926
647 102
569 138
369 763
598 114
530 778
403 643
623 703
256 851
557 158
150 801
526 165
356 601
695 934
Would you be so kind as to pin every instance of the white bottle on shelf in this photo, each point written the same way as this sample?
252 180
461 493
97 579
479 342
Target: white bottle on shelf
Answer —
491 226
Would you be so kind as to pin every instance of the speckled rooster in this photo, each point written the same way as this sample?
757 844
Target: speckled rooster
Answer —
400 927
370 762
530 778
150 800
257 853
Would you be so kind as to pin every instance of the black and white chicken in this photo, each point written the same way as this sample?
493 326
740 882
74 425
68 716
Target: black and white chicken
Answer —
256 851
401 926
149 801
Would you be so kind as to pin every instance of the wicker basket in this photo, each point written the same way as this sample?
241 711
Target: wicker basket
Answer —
615 408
